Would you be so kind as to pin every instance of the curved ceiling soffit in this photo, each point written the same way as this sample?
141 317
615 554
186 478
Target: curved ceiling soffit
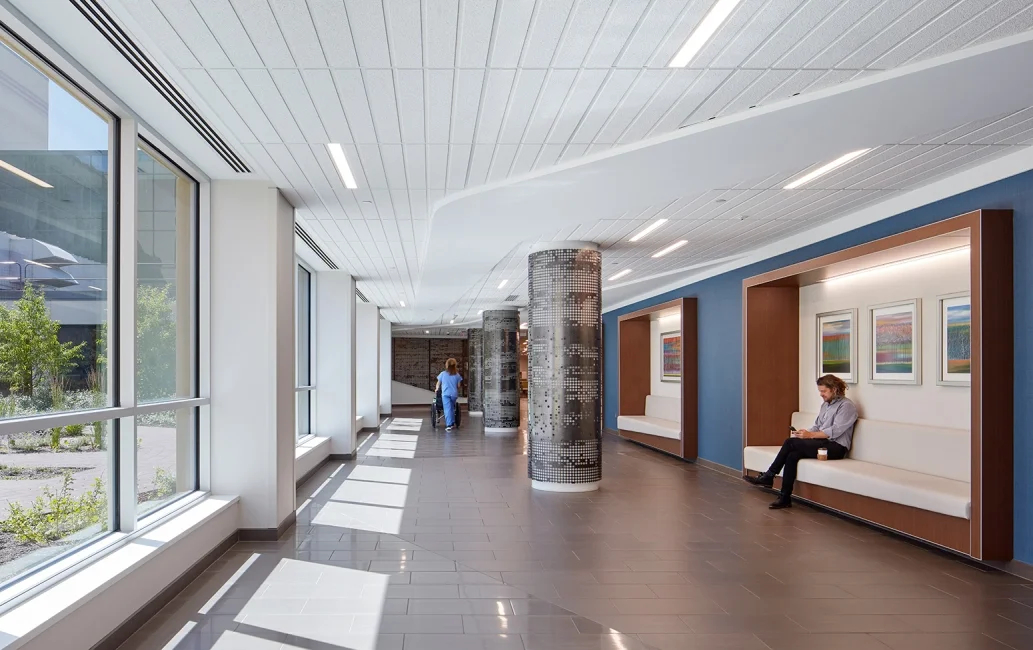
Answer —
784 137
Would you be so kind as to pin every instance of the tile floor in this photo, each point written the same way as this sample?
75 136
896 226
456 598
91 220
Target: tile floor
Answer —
435 541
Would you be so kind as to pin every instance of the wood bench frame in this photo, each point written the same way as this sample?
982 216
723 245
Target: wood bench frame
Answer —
771 377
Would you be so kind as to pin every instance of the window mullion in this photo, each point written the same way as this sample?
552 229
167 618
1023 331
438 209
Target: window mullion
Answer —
127 282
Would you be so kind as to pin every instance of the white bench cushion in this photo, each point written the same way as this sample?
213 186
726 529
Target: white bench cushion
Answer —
665 408
653 426
933 493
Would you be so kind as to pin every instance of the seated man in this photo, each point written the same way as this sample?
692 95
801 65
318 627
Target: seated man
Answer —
833 430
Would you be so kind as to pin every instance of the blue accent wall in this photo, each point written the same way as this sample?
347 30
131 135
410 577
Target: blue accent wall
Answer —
720 334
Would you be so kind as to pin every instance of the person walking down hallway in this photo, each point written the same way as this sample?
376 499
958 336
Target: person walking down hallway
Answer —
833 431
448 383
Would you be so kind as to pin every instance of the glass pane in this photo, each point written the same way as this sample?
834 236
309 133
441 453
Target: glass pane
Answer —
304 327
54 293
165 210
166 455
54 493
304 411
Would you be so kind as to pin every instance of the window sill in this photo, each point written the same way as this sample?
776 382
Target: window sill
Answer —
309 455
47 608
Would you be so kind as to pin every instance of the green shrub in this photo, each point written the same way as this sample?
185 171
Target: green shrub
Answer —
164 484
79 443
98 435
55 437
54 516
75 429
27 442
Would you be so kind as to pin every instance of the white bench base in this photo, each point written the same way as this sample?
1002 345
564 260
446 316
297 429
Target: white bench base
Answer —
650 425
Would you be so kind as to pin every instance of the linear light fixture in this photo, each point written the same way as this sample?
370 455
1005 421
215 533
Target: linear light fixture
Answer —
898 263
673 247
9 278
824 169
401 302
46 266
341 163
620 275
480 311
648 229
706 29
96 288
452 322
503 283
523 326
24 174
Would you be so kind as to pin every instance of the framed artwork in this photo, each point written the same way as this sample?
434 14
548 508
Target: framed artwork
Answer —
837 345
955 350
896 343
671 344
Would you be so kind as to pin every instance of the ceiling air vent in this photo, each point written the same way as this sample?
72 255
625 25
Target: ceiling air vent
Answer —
511 298
311 243
113 32
361 296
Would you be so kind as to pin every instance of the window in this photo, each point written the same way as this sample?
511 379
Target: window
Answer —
67 413
304 352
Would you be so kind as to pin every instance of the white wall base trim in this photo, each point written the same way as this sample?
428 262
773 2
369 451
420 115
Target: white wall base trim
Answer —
545 486
500 429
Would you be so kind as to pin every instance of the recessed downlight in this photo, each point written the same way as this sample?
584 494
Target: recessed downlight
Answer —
618 276
648 229
341 163
826 168
673 247
402 303
503 283
717 15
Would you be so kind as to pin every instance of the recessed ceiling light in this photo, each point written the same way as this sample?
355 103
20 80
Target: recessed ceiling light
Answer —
523 326
503 283
401 302
648 229
706 29
673 247
452 322
426 331
480 311
341 163
824 169
24 174
620 275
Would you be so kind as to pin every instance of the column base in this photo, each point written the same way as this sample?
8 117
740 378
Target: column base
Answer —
545 486
475 414
501 429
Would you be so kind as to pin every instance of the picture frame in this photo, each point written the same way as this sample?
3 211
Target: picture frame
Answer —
836 345
954 351
895 340
670 346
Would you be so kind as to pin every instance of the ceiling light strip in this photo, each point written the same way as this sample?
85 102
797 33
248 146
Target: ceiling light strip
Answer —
890 265
673 247
824 169
717 15
503 283
341 163
25 175
648 229
620 275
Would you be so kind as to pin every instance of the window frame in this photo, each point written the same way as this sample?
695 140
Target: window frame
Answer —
126 134
310 387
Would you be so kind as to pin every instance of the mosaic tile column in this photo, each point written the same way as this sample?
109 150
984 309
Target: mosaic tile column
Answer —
564 447
500 387
474 395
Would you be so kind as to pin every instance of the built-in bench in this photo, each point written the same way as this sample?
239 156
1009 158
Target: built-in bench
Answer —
921 467
662 418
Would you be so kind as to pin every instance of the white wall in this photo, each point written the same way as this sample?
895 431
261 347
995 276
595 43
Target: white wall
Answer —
385 367
406 395
334 396
252 350
928 403
367 363
656 357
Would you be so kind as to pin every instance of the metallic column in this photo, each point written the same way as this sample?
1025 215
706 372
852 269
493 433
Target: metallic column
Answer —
564 452
475 355
500 381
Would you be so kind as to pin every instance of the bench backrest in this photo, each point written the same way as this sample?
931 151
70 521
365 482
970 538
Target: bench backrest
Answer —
938 451
667 408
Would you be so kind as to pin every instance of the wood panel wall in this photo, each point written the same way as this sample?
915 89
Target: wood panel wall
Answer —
772 373
689 379
633 369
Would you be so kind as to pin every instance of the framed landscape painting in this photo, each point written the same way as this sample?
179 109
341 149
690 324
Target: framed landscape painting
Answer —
837 344
671 342
896 350
955 349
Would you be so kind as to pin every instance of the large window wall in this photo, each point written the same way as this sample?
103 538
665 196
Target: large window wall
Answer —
99 407
303 306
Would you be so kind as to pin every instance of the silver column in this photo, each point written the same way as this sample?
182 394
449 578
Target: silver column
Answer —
474 394
564 452
500 382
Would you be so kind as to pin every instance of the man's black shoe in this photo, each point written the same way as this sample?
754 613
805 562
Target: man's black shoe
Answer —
764 480
780 503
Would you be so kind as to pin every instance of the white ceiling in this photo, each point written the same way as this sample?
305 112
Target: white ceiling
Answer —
435 97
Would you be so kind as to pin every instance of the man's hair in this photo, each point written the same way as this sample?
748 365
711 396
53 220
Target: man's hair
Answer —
833 383
450 366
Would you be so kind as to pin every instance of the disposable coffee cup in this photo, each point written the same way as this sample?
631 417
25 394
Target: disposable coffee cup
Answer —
823 454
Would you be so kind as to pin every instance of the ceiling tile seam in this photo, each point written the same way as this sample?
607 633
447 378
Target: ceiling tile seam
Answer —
535 11
410 290
671 76
559 113
405 68
973 138
663 40
839 38
283 97
918 55
319 39
829 15
531 114
777 29
937 152
959 162
283 37
631 34
480 102
598 32
502 123
749 22
893 24
568 21
201 19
